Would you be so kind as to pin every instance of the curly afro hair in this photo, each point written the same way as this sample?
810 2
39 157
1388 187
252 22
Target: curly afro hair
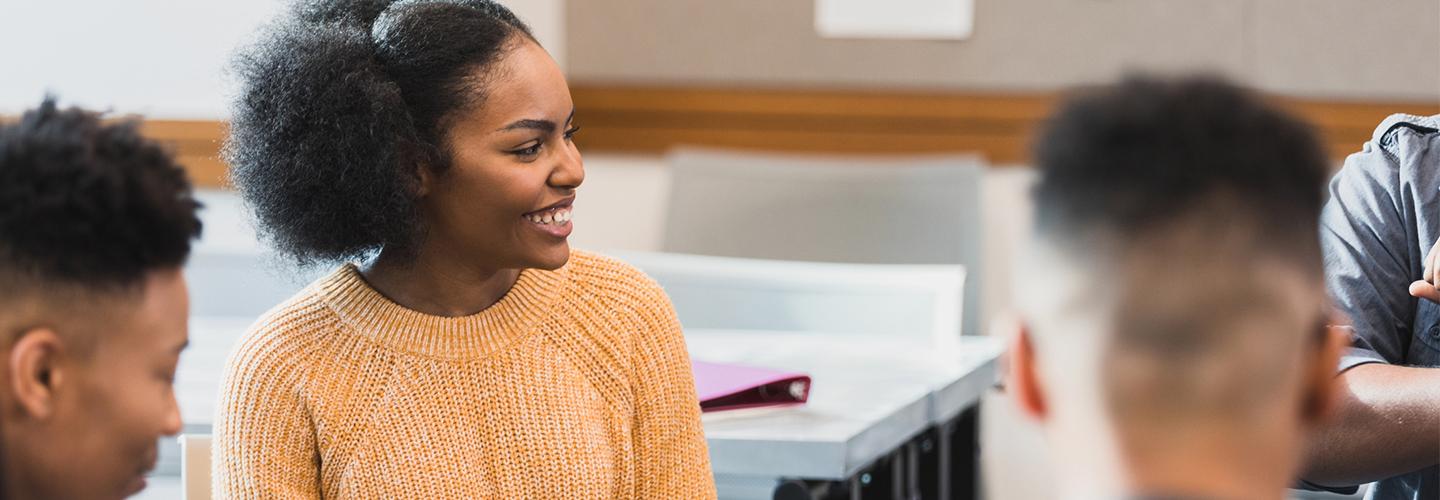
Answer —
87 203
341 102
1135 156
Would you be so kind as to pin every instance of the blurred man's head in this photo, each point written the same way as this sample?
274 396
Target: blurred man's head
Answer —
95 224
1173 294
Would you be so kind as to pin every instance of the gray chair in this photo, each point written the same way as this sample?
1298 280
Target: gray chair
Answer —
869 210
913 304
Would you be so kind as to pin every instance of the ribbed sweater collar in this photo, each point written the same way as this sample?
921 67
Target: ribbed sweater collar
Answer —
459 338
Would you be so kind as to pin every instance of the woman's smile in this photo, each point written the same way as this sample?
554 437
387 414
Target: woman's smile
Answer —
553 220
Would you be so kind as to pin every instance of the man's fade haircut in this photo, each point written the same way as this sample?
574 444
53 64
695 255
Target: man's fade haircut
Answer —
1180 200
88 204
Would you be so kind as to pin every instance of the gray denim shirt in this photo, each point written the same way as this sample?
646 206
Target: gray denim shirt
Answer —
1382 218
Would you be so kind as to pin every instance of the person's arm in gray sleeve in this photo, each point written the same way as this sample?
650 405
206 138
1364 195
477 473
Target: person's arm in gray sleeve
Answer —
1365 233
1386 423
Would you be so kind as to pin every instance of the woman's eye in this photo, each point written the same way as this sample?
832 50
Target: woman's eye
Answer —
570 134
529 151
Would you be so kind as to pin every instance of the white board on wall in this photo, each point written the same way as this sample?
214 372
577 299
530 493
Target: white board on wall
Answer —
897 19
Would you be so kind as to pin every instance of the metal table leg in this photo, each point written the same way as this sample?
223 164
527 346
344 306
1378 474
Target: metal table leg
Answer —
964 454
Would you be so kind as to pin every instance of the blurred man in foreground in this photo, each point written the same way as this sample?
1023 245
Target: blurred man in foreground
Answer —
1172 332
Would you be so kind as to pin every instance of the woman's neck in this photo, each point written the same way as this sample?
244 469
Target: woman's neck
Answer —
438 283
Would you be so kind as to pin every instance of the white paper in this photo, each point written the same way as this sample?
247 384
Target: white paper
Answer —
898 19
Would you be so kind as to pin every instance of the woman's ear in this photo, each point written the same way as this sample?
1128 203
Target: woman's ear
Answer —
424 159
33 370
1024 384
424 177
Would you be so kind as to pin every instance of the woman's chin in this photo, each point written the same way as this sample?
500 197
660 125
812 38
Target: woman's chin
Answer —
552 258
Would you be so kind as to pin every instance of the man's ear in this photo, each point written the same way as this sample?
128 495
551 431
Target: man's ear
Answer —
1322 391
33 371
1024 384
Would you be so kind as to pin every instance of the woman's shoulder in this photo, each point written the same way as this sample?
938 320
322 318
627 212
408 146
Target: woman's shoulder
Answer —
610 278
624 312
288 332
610 291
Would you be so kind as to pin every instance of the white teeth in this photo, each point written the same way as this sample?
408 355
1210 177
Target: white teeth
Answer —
558 216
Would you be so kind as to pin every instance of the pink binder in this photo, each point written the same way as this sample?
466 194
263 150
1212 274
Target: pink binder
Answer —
731 387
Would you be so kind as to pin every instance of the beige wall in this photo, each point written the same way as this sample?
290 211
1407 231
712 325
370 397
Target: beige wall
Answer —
547 20
158 58
1323 48
1346 47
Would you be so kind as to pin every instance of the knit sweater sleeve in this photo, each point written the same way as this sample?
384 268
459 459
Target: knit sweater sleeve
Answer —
672 459
264 441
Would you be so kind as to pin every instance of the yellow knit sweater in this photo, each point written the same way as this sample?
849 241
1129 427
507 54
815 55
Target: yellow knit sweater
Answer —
575 385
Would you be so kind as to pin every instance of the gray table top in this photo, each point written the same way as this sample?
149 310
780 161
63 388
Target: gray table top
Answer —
868 398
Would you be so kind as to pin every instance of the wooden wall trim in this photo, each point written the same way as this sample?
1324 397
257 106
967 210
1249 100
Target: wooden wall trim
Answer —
997 126
635 119
196 145
652 120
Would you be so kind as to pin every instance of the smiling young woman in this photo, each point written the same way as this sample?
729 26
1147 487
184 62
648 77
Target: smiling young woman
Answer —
471 353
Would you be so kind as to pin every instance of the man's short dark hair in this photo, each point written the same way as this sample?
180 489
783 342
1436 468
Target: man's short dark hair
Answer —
1177 217
88 203
1133 157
